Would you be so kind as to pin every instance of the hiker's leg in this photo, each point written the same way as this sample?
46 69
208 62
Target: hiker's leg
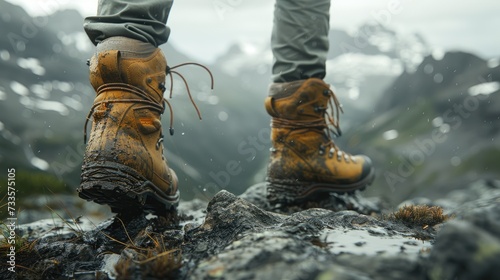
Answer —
300 39
143 20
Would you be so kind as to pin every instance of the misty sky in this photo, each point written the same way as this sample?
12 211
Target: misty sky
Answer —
205 28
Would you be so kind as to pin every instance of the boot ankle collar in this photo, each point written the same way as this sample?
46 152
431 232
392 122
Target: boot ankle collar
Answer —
280 90
128 46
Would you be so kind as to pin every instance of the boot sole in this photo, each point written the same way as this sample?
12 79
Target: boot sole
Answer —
124 190
290 191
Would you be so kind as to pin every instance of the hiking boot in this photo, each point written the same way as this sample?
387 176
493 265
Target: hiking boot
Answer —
305 162
123 165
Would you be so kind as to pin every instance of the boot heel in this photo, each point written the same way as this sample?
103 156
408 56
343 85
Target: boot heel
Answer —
286 191
123 189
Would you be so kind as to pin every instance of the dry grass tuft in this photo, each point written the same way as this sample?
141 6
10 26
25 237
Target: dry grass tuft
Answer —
419 215
21 244
156 262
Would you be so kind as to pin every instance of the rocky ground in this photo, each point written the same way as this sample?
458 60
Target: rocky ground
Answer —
232 237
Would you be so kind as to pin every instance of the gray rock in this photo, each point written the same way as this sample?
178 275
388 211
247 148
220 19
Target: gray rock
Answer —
469 248
241 241
244 238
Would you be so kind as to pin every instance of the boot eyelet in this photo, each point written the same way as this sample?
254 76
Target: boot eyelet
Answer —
321 150
159 142
339 156
346 158
332 151
326 92
162 87
319 109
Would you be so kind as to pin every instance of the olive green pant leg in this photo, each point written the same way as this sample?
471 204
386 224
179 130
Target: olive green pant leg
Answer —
144 20
300 39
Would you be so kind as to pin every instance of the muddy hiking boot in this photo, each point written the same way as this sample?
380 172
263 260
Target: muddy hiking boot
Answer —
124 166
305 163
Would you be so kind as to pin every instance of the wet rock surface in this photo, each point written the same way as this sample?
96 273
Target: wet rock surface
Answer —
468 247
242 237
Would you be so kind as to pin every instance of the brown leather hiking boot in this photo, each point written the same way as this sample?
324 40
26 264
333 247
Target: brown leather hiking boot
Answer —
304 159
124 165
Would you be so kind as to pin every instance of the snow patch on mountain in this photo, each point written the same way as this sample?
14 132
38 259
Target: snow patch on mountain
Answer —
79 40
494 62
32 64
34 160
19 88
40 91
44 105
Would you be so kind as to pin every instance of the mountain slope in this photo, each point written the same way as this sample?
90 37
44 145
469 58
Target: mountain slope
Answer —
437 129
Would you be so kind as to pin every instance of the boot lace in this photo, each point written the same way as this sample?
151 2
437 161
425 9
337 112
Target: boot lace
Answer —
147 100
328 125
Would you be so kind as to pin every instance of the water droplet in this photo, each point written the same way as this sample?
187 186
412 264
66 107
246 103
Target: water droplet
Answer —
455 161
437 122
428 69
223 116
445 128
438 78
4 55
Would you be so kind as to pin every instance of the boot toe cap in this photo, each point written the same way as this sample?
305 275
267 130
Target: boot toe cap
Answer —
367 171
